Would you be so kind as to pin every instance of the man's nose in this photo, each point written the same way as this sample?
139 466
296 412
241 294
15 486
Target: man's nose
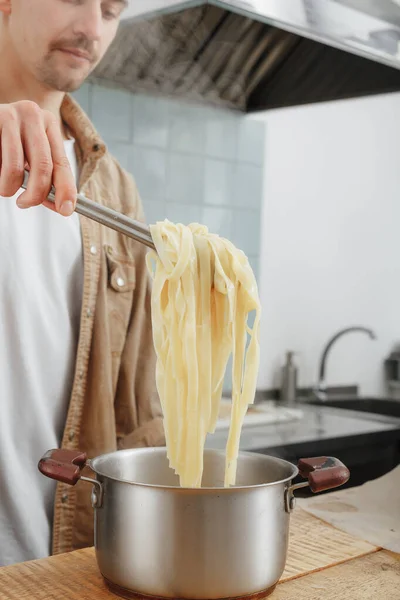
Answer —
89 20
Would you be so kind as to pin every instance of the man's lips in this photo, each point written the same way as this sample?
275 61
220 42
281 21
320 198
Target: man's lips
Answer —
80 54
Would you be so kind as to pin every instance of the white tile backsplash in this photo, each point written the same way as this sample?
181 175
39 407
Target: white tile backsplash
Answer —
247 185
187 129
221 134
185 179
83 97
149 167
246 231
218 220
191 164
219 178
122 152
150 121
183 213
154 211
255 265
251 142
112 113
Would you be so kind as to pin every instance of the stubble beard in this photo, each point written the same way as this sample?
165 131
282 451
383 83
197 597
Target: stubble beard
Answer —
53 77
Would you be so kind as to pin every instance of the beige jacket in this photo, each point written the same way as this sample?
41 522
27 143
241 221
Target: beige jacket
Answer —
114 403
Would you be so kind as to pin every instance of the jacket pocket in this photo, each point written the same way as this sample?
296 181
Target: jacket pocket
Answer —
121 271
121 274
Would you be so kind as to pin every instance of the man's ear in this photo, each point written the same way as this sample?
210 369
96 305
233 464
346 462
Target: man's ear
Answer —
5 7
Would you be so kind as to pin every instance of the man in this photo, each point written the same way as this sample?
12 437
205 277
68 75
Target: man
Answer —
76 352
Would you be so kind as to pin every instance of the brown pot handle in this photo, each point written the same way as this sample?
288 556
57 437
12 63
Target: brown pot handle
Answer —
63 465
323 472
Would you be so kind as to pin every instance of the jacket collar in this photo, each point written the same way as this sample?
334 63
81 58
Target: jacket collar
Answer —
91 148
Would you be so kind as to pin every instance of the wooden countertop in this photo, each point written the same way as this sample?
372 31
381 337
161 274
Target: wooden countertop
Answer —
323 563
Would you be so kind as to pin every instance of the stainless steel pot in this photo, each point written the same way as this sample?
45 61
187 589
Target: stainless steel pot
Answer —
154 538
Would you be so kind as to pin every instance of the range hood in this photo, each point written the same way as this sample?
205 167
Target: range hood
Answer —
254 55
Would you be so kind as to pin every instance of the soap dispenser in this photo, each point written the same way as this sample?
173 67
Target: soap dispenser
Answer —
289 381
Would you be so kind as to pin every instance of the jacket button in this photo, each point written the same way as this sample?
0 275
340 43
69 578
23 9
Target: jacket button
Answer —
120 282
64 498
71 436
93 250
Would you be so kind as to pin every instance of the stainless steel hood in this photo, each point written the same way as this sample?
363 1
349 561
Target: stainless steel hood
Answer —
257 54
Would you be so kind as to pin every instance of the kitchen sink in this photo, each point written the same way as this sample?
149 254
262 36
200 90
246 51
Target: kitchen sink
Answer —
380 406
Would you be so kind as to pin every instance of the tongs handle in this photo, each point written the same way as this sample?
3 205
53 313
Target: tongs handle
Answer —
106 216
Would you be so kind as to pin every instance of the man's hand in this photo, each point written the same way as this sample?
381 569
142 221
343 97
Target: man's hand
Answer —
31 137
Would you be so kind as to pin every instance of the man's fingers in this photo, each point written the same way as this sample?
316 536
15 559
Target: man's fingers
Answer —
38 155
63 178
32 136
12 159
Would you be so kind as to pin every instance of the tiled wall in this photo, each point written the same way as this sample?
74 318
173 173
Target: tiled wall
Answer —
191 164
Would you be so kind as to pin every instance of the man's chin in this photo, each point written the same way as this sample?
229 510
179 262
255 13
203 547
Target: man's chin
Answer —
72 86
67 85
64 80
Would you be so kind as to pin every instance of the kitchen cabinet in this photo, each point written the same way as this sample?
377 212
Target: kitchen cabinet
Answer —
368 444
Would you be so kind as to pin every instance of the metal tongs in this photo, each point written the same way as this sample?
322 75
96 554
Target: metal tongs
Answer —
106 216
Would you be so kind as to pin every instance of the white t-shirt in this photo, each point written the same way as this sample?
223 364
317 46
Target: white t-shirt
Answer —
41 283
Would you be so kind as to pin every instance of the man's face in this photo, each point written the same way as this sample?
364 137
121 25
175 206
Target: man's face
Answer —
61 41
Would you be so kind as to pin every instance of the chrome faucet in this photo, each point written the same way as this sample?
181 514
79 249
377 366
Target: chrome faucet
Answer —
319 391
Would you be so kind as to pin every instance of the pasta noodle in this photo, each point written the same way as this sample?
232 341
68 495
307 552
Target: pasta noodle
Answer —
203 292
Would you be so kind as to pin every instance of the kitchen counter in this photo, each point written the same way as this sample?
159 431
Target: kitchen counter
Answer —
323 563
318 424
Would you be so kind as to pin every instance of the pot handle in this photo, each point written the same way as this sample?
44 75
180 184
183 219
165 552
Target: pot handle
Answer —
63 465
322 473
66 466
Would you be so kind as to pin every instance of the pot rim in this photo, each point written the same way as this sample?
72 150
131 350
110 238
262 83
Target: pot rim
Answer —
92 464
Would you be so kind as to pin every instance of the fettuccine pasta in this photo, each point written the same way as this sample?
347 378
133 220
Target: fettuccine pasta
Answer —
203 292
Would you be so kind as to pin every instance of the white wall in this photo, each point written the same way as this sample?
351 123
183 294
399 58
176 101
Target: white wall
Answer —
330 253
